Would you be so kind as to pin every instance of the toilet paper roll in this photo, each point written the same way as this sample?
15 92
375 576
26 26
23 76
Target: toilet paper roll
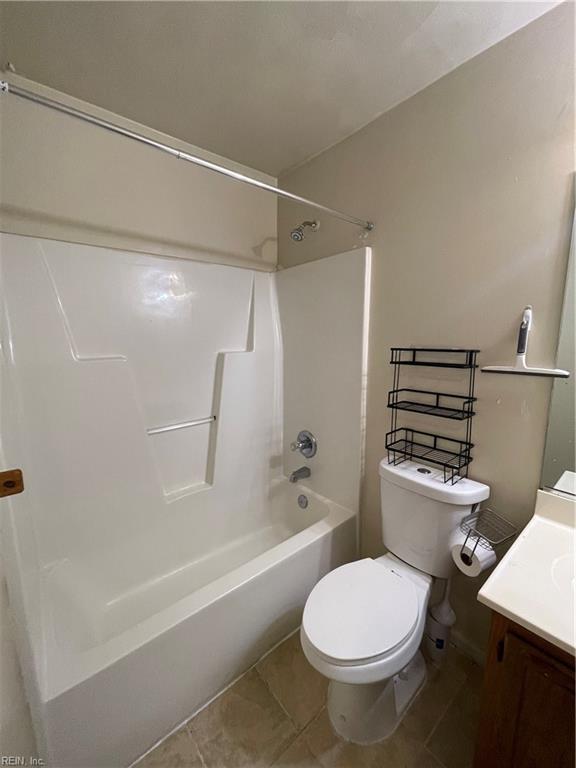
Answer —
469 560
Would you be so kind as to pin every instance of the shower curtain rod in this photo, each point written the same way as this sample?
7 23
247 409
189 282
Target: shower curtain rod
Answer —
15 90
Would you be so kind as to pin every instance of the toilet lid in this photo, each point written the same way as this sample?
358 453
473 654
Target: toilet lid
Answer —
360 611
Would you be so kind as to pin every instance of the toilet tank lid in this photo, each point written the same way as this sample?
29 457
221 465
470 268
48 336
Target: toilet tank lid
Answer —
429 482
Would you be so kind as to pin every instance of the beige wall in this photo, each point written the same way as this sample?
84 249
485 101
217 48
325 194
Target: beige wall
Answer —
559 454
65 179
469 183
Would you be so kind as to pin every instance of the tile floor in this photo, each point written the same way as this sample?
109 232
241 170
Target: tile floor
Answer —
275 716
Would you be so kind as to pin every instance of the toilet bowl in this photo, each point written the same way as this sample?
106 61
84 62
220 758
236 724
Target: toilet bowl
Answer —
363 622
362 627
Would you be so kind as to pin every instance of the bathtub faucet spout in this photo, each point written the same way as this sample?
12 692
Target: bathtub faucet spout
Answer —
299 474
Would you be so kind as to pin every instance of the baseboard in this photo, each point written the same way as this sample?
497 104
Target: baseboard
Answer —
472 650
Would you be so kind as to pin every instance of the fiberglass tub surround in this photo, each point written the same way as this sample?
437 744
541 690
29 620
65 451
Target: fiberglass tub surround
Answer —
159 549
129 344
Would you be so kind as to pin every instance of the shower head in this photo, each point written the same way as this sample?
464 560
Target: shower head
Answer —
297 234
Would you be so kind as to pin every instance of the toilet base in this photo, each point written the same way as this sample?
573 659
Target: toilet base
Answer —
371 712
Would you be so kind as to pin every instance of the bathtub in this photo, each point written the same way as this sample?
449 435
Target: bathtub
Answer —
139 662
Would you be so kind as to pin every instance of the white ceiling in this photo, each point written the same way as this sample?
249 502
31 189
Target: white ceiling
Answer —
268 84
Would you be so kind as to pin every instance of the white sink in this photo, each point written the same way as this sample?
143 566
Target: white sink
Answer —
535 583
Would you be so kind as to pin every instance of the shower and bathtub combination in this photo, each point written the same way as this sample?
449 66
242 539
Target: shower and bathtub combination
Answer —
174 519
159 549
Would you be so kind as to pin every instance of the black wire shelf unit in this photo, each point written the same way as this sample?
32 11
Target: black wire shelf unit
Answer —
441 404
435 357
454 455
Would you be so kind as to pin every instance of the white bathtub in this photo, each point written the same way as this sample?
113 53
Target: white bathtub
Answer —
137 669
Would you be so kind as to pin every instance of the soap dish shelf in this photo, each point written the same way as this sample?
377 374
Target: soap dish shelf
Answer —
487 528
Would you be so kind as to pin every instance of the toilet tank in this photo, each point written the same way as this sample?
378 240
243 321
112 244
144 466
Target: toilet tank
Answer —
420 512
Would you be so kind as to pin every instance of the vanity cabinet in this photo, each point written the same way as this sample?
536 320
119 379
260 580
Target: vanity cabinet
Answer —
527 714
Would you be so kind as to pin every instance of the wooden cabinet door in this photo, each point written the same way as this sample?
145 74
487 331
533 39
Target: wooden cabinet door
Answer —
527 718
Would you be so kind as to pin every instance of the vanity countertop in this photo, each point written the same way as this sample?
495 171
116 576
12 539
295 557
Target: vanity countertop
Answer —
534 584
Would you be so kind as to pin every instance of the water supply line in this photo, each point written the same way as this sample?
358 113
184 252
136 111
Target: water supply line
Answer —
58 106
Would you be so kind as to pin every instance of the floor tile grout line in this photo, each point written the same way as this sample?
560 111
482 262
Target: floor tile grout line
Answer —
432 668
281 755
187 721
198 750
299 729
185 724
433 756
196 742
290 741
303 734
313 720
298 736
442 716
300 732
277 700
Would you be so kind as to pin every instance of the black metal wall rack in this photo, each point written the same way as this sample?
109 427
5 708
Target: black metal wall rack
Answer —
403 443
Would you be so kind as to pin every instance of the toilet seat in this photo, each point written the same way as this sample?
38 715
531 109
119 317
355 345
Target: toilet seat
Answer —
361 613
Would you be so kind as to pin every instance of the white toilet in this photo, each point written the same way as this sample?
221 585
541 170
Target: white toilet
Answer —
363 622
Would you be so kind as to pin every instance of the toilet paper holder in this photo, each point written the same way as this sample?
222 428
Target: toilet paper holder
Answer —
486 528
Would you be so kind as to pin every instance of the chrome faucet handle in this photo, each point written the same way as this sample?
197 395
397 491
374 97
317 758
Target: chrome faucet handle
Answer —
305 443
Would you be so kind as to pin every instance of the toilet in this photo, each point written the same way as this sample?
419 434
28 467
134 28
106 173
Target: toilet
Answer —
363 623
